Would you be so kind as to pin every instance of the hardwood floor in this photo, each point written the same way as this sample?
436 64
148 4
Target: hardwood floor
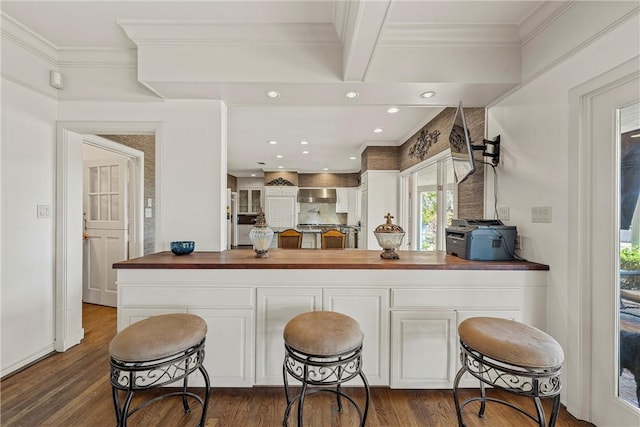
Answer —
72 389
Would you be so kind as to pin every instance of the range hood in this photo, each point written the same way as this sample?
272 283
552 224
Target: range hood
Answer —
317 195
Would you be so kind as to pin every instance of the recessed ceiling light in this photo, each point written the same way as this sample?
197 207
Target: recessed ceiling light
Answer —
280 167
325 169
392 110
305 152
273 94
303 142
377 130
273 142
253 174
279 156
352 158
352 95
427 94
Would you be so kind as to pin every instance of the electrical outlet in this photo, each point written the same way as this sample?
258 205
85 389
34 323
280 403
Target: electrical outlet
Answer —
503 213
518 242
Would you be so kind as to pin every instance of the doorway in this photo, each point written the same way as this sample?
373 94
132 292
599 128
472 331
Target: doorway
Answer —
69 221
593 349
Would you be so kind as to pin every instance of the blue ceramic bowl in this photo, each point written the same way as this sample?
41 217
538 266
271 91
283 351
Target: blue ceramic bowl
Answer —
183 247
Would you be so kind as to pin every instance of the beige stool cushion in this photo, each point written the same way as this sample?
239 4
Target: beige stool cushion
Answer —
323 333
511 342
158 337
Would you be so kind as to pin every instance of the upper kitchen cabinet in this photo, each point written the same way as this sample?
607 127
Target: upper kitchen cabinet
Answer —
347 202
249 195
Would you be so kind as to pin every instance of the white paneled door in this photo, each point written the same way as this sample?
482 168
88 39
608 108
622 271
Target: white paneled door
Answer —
106 227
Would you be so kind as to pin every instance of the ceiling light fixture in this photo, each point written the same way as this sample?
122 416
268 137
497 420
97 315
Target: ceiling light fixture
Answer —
392 110
325 169
377 130
352 158
427 94
352 95
253 174
279 156
305 152
273 142
280 167
303 142
273 94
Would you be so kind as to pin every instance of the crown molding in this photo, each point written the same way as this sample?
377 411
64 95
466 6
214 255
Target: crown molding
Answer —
144 32
97 58
541 18
411 34
27 39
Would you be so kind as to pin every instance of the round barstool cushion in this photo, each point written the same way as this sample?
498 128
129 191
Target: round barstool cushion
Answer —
511 342
323 333
158 337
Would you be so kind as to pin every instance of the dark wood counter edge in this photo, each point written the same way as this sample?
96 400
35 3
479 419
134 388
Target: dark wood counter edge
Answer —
215 261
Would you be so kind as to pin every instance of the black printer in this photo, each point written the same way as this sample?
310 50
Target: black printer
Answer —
481 239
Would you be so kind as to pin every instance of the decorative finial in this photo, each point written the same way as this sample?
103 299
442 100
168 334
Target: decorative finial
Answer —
260 220
389 217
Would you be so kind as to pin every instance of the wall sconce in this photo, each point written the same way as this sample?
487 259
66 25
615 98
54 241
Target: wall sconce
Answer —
490 148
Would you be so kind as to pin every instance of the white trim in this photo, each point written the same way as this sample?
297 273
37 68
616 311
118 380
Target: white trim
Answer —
579 345
65 310
414 34
26 361
28 39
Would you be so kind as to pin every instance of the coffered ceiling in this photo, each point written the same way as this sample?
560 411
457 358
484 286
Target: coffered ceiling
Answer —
311 53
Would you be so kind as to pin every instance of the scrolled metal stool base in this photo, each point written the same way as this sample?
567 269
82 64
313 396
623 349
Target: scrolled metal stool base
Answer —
525 381
133 377
324 374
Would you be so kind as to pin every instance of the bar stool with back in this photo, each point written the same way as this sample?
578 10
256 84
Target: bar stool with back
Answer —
290 239
332 239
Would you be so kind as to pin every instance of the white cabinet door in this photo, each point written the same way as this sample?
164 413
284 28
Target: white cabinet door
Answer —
280 212
370 307
341 200
229 346
352 206
423 344
275 307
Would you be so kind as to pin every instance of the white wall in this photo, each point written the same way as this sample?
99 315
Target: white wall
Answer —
190 163
533 122
27 291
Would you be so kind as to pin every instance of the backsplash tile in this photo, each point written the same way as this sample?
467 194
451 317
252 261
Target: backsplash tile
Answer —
320 213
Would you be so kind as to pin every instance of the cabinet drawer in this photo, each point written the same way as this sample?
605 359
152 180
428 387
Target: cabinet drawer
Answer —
458 298
186 296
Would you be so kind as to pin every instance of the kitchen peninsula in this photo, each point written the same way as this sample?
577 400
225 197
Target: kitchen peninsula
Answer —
408 309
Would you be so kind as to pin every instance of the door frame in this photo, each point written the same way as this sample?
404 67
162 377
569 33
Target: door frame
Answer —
578 363
67 332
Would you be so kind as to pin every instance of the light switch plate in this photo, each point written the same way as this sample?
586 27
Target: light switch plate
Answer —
503 213
541 214
44 211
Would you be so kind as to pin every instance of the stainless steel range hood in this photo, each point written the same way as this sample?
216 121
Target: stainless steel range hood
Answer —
317 195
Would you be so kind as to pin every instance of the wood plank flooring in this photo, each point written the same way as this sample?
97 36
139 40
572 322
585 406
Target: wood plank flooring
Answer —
72 389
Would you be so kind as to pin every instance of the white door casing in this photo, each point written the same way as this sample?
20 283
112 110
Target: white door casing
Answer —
106 221
591 363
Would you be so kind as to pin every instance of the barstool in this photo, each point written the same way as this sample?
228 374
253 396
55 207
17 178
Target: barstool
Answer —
511 356
324 349
154 352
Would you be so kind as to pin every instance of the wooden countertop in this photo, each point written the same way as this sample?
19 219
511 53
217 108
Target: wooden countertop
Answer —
306 259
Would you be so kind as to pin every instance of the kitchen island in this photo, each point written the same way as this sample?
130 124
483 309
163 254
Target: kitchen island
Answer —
408 309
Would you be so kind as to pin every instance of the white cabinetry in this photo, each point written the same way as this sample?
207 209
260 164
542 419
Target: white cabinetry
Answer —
341 200
370 307
229 315
249 200
424 334
276 306
280 207
423 349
